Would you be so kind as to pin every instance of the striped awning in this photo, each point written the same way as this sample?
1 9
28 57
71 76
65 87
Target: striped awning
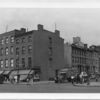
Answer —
24 72
14 72
1 72
6 72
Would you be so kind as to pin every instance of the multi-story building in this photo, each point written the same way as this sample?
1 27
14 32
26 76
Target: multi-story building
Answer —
80 57
39 49
96 58
7 50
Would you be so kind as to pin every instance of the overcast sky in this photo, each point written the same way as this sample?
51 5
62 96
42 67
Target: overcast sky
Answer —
83 22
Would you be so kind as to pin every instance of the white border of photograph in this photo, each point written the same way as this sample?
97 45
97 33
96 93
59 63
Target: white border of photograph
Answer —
44 4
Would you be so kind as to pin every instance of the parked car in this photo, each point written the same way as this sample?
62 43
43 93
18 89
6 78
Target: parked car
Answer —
36 78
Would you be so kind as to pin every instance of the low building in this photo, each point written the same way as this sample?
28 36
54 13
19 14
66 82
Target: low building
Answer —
81 57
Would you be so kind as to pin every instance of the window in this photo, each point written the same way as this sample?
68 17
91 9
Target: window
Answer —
29 49
50 42
6 63
29 39
11 49
2 41
17 51
6 41
17 63
12 62
23 62
12 39
23 40
50 39
50 59
1 51
50 51
17 41
1 63
6 51
29 62
23 50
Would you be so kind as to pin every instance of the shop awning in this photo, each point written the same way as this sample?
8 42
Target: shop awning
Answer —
1 72
22 72
6 72
25 72
22 77
64 70
14 73
31 72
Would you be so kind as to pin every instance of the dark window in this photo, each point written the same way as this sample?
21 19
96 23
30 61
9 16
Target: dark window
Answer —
12 39
11 49
1 63
30 49
23 62
50 46
30 39
50 42
50 59
6 50
6 63
17 63
1 51
50 51
17 41
2 41
29 62
23 40
12 62
23 50
50 39
6 41
17 51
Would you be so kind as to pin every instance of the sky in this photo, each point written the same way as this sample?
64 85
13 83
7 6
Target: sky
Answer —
82 22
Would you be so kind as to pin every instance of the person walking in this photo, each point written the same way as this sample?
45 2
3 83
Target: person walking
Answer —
78 78
72 79
96 79
88 80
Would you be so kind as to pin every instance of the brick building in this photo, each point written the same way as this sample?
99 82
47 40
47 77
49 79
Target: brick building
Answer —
39 49
79 56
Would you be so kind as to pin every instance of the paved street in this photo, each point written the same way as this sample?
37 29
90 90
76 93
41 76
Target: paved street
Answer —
47 87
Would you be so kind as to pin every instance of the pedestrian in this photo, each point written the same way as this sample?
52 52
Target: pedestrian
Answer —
78 78
81 78
96 79
88 80
16 78
72 79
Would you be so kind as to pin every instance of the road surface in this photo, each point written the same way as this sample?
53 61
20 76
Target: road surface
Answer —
46 87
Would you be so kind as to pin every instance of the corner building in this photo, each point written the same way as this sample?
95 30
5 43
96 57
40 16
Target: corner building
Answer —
39 49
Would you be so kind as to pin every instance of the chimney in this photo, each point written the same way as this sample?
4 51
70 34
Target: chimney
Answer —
40 27
22 30
57 32
76 40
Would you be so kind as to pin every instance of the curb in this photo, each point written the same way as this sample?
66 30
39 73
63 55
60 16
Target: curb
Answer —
86 85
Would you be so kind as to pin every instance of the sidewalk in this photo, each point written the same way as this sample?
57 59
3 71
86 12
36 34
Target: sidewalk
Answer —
92 84
31 82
